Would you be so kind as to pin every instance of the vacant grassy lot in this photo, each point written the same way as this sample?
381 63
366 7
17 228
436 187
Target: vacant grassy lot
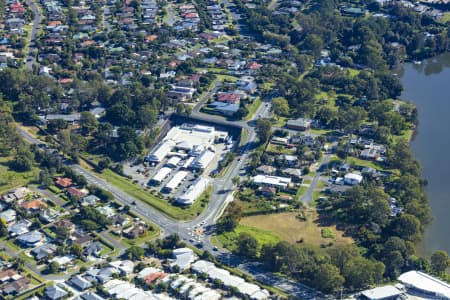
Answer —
10 179
175 212
252 108
288 228
228 240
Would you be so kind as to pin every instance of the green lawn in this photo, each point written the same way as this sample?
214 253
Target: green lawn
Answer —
252 108
278 149
445 18
228 239
10 179
175 212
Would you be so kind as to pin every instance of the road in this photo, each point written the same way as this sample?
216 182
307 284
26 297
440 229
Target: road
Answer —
34 30
207 219
308 195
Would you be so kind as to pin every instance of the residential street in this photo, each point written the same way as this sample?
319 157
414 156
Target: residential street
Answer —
30 60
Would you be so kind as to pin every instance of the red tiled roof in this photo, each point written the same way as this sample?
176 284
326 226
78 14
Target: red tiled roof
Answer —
63 182
228 97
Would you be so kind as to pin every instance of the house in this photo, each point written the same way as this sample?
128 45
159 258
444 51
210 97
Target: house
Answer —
226 109
267 191
369 154
33 205
90 200
228 97
30 239
80 283
63 182
48 215
74 192
54 292
272 181
183 257
44 251
135 231
93 249
295 174
300 124
9 275
16 287
81 239
125 267
66 224
8 216
266 169
290 160
15 195
107 211
353 178
91 296
19 228
63 261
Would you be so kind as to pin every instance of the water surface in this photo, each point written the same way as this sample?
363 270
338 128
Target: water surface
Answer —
428 86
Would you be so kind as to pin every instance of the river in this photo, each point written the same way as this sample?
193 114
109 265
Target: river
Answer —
428 86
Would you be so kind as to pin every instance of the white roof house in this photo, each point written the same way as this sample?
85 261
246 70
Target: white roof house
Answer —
203 160
161 174
383 292
194 191
176 180
275 181
426 284
353 178
183 258
213 272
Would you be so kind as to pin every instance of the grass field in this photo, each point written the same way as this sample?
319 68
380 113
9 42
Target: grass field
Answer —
10 179
228 239
252 108
288 228
445 18
175 212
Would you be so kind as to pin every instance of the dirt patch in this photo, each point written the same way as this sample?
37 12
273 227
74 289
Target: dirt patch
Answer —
289 228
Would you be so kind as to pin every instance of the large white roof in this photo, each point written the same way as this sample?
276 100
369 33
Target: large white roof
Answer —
425 282
382 292
203 160
173 161
162 173
272 180
194 191
176 180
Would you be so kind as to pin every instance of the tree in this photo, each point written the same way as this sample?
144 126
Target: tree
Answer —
53 267
327 278
89 123
236 180
407 227
280 106
247 245
439 261
76 250
22 163
45 178
263 130
135 253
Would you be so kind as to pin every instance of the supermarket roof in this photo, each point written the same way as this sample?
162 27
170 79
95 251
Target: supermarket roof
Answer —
424 282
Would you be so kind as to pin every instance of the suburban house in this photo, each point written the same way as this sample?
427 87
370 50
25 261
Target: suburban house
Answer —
272 181
300 124
30 239
54 292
